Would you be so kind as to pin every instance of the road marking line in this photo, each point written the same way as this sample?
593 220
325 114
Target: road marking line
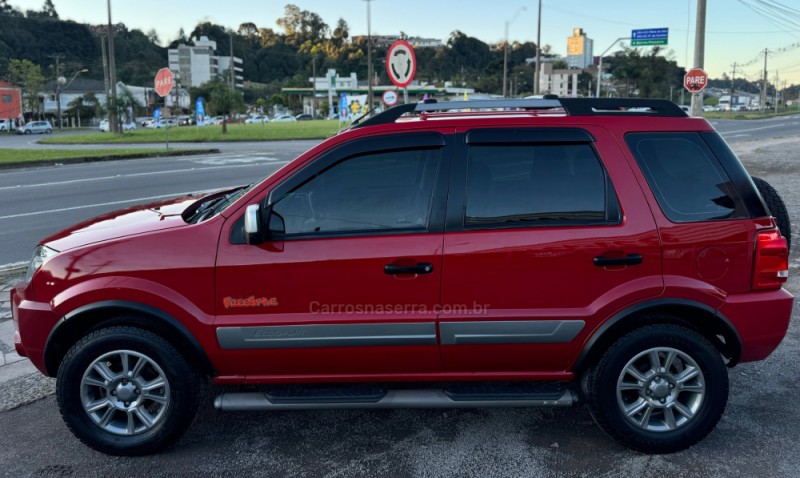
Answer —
754 129
112 203
131 175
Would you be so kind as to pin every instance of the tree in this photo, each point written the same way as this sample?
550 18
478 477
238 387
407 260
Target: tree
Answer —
28 76
49 9
8 10
152 35
224 101
248 29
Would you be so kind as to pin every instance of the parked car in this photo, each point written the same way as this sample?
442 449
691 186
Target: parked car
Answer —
303 117
164 122
257 120
39 127
147 123
185 120
104 126
129 126
708 108
283 119
609 252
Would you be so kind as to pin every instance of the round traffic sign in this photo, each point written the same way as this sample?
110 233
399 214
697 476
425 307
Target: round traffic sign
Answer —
401 63
695 80
164 82
389 98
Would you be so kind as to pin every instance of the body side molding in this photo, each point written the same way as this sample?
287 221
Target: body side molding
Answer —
510 332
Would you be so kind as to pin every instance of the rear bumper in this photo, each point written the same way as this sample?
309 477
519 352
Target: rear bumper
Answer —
761 319
33 322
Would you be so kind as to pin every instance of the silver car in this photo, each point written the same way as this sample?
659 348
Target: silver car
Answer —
41 127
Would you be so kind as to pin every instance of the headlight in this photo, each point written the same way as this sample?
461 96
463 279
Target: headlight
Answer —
40 256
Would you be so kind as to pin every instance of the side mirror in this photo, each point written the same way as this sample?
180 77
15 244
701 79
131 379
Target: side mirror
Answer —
253 229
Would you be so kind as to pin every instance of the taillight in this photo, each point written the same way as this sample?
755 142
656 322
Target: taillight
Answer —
771 268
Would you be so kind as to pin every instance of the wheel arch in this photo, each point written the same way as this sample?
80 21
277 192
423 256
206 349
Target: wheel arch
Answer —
690 314
82 320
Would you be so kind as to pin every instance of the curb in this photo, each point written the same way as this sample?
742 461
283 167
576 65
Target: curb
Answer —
269 140
26 164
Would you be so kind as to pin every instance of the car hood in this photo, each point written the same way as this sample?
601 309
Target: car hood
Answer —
126 222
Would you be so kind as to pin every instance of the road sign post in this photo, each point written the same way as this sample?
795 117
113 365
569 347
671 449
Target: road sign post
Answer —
163 83
649 37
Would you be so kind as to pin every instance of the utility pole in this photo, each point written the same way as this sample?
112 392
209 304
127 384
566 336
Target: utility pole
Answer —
505 53
314 87
600 65
733 85
775 96
112 110
104 54
538 69
233 82
699 54
369 55
763 96
59 84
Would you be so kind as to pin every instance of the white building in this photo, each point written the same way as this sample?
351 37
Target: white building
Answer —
563 83
199 64
580 49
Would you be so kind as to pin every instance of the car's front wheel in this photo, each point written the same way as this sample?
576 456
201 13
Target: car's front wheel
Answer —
126 391
658 389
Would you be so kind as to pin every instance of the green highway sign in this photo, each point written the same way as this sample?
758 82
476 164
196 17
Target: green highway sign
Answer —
648 42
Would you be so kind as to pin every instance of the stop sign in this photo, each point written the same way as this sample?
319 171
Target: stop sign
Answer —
695 80
164 82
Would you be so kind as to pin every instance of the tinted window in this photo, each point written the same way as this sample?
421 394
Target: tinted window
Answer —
374 192
685 177
6 98
537 184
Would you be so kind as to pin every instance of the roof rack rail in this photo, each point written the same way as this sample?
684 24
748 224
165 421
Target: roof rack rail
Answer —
572 106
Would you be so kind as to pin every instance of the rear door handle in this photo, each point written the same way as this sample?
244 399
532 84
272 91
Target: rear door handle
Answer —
421 268
629 260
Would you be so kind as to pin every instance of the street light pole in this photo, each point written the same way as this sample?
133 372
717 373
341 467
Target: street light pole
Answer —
505 53
63 84
538 69
600 65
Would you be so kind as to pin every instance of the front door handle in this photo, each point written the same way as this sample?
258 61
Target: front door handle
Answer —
629 260
421 268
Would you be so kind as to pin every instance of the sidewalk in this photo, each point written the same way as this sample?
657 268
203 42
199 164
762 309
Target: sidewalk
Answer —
20 382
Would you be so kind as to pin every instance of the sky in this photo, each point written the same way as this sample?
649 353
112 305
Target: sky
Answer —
734 31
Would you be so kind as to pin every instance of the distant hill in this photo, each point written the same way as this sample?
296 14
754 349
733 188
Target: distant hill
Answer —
41 39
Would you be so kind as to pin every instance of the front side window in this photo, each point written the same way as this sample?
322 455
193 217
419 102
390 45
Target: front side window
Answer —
537 184
372 192
686 178
6 99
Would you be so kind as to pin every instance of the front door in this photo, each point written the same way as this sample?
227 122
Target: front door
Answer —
348 283
548 234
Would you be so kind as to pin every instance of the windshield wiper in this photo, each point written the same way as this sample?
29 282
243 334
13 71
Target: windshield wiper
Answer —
209 205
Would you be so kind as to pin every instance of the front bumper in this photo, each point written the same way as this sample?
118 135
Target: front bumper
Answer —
33 322
761 319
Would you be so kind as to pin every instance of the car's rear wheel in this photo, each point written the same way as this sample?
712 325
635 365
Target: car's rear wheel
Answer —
658 389
127 391
48 131
27 131
776 207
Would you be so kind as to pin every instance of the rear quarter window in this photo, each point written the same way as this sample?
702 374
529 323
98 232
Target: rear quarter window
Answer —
685 177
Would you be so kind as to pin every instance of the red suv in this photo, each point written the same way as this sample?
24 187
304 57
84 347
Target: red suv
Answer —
467 254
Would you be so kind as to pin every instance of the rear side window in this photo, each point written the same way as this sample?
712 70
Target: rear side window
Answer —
537 184
687 180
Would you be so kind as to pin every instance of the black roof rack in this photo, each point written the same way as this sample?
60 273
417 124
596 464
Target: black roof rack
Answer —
572 106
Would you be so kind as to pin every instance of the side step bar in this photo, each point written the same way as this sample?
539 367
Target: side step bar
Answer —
423 398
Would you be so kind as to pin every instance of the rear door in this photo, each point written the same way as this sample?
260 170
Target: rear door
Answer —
349 283
547 234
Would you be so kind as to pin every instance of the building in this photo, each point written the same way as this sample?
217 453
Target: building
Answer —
563 83
580 49
10 102
69 92
194 65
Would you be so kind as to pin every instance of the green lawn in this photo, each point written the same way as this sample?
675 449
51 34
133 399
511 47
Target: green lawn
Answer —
746 115
12 156
192 134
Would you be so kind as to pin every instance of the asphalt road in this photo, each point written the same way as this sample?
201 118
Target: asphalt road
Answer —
36 202
757 437
748 130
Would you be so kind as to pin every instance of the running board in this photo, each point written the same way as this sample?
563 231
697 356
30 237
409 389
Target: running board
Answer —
423 398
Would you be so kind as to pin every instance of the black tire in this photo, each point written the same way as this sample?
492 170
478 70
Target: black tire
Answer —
27 131
185 390
48 131
601 387
776 207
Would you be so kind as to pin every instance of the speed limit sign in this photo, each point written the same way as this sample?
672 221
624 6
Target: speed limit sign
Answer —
390 98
